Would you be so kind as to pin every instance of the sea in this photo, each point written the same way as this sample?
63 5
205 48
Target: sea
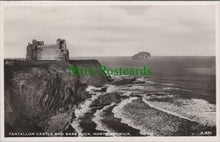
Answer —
177 99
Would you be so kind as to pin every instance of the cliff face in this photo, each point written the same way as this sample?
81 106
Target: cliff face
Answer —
95 80
40 98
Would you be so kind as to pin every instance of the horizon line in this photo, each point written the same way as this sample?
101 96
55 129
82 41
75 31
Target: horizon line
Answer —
126 56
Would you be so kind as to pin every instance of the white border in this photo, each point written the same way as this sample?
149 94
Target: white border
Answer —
217 41
2 68
113 3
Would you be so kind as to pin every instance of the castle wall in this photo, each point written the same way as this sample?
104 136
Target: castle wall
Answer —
50 52
38 51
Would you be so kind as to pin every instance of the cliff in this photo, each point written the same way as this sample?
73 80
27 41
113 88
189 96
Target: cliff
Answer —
40 95
94 80
141 55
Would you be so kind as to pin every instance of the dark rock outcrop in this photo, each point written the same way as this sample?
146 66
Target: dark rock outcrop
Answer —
141 55
39 96
107 99
95 80
123 81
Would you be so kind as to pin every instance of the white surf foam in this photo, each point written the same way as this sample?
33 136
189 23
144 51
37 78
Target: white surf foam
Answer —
92 89
165 95
168 84
175 88
98 117
147 81
197 110
127 93
118 114
167 111
76 125
140 79
111 89
150 82
84 108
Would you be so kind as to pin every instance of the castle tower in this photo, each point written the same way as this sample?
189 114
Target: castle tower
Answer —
39 51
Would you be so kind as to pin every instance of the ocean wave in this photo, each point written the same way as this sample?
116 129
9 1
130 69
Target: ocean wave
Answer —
146 80
167 84
118 114
141 79
98 117
167 111
158 95
120 77
197 110
175 88
125 90
134 88
150 82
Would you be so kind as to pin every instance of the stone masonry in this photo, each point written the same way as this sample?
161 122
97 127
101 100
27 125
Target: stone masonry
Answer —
37 50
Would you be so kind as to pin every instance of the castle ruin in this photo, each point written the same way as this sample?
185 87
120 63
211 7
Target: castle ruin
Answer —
37 50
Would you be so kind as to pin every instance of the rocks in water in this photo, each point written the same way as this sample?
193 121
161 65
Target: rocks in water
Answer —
123 81
141 55
106 99
102 89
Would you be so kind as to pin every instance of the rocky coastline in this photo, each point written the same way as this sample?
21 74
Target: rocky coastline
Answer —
39 97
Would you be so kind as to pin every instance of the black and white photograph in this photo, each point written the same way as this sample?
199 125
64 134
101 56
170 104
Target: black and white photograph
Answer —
116 71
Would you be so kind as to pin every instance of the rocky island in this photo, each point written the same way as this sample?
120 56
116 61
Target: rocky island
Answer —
141 56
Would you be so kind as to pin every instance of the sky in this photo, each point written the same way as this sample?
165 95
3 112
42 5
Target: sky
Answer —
113 30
